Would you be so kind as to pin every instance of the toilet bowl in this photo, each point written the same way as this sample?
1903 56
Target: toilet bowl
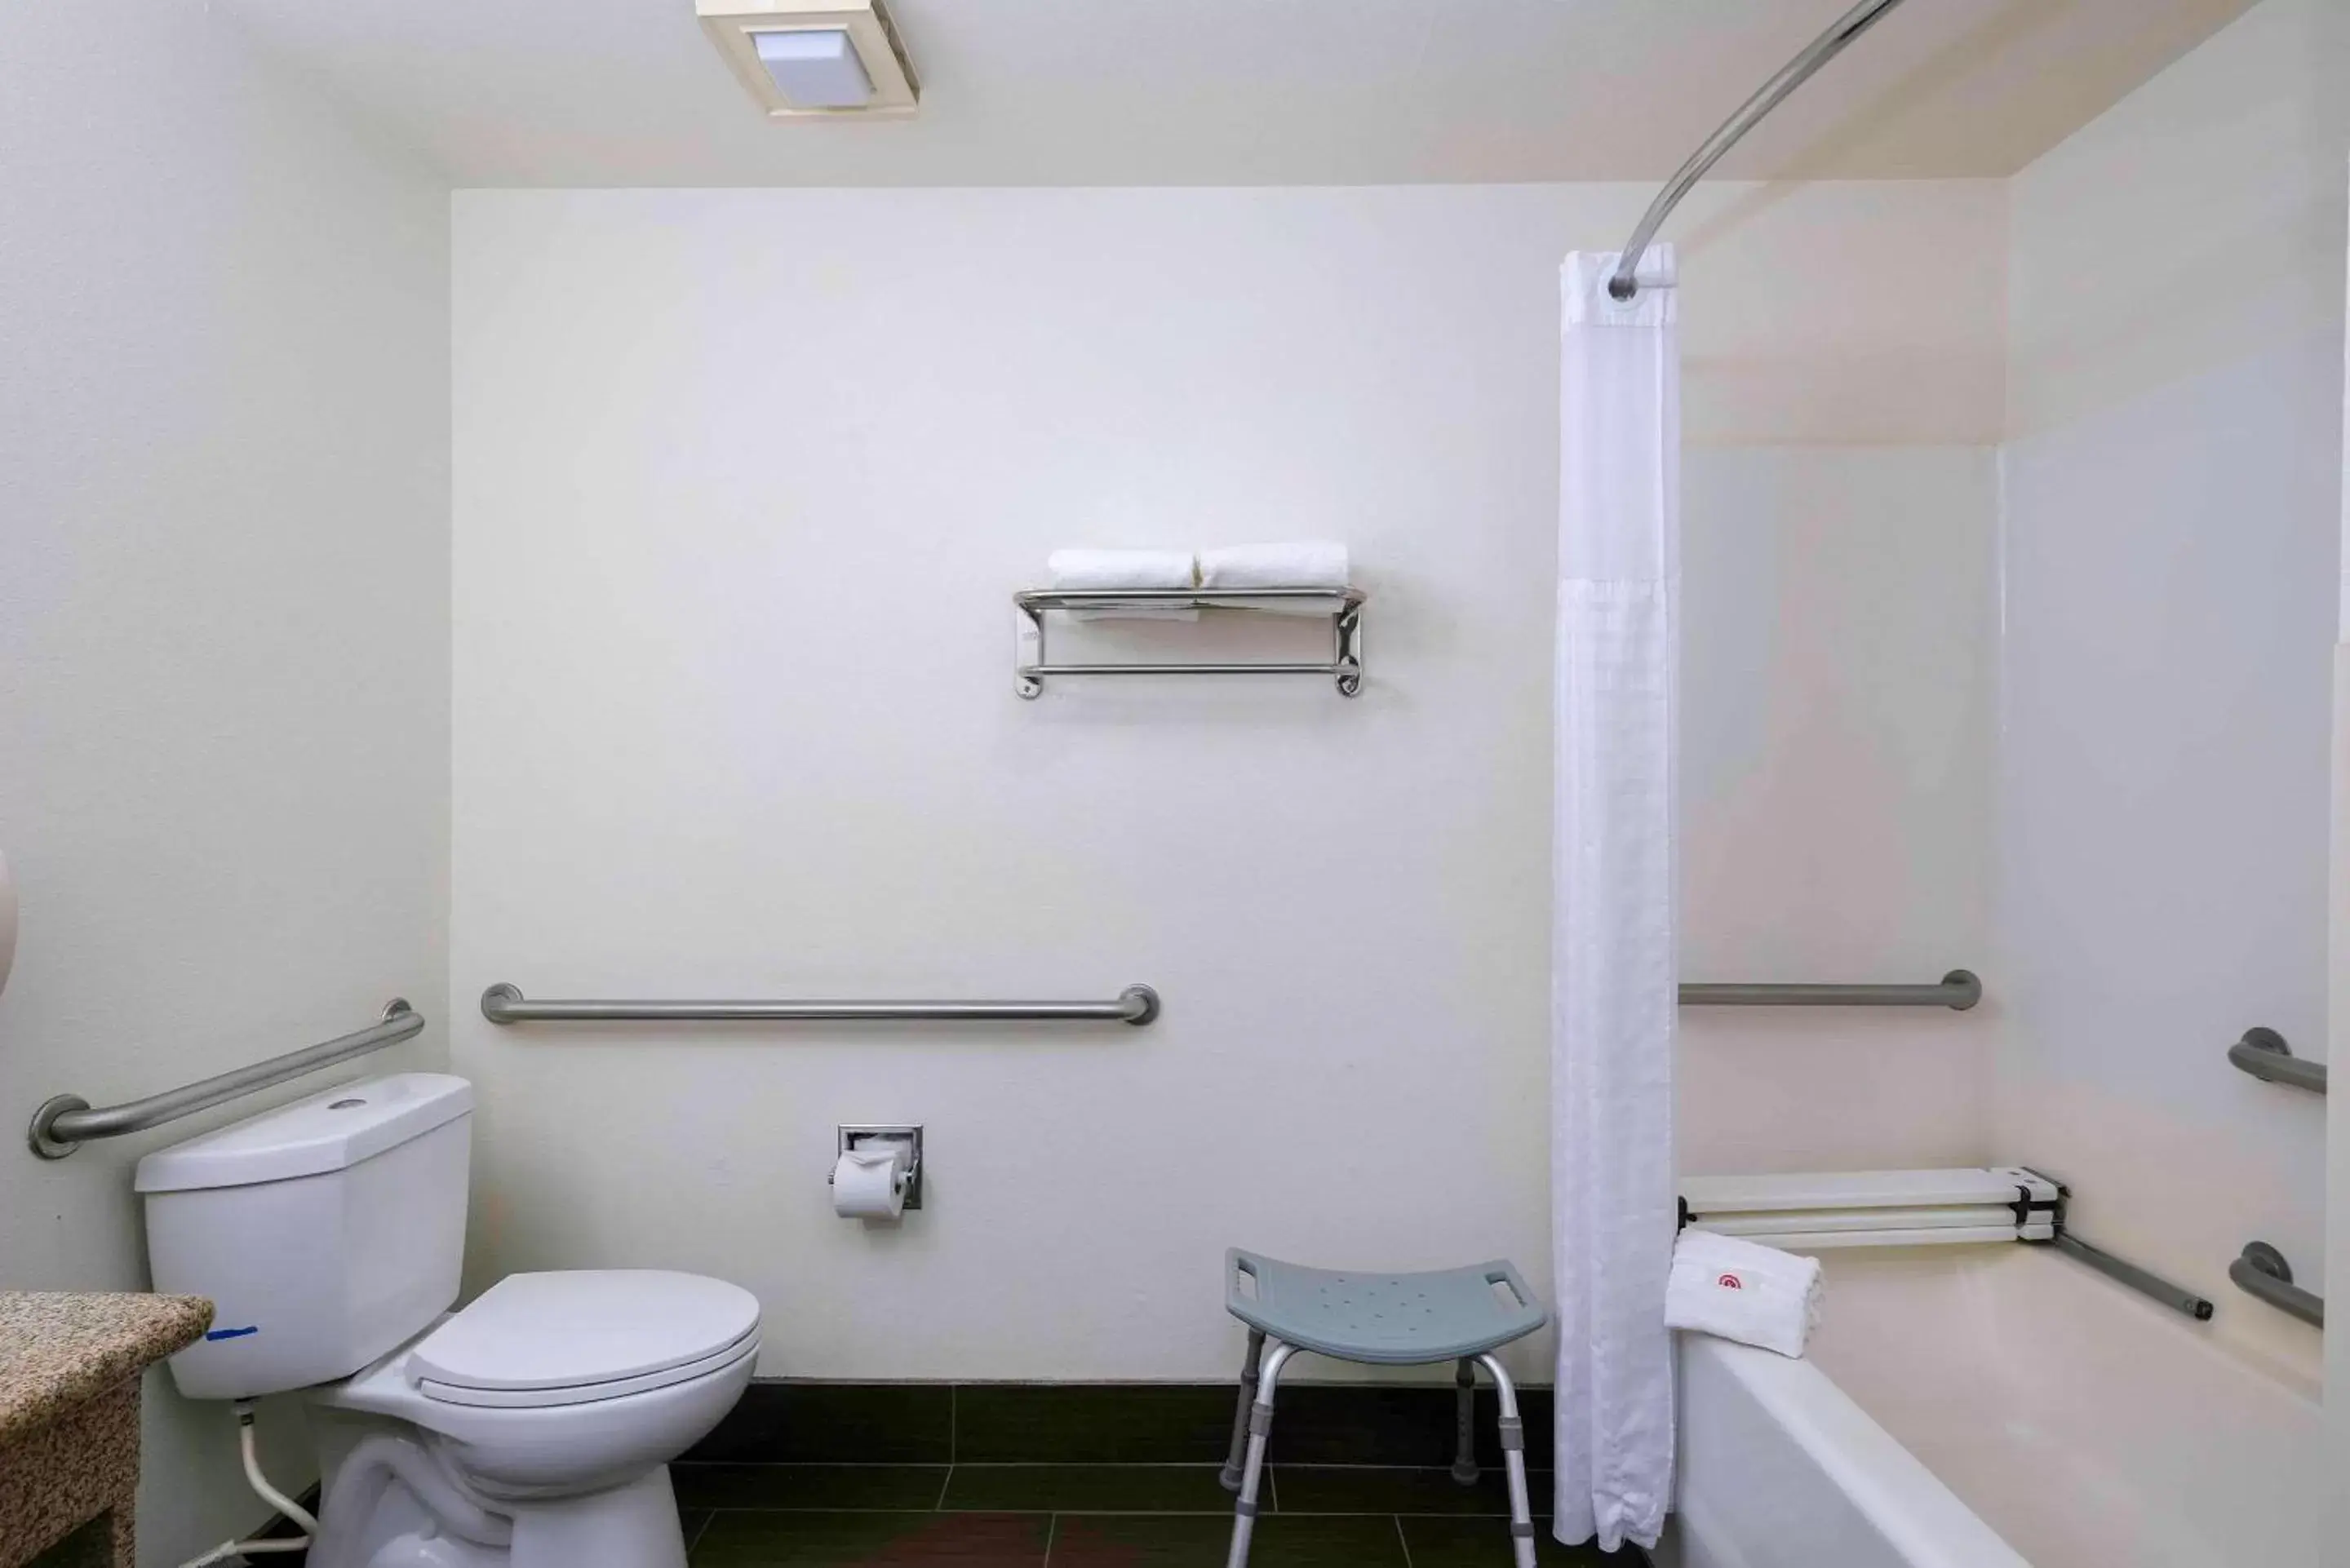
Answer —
533 1428
536 1426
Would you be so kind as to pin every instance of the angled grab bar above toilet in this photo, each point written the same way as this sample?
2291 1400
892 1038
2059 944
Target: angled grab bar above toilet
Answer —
66 1122
1136 1004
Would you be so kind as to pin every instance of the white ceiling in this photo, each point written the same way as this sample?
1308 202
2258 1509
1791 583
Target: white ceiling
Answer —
1133 92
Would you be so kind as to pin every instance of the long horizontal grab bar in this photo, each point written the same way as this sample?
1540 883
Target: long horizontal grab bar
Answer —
1958 990
2176 1297
2263 1054
2261 1271
1136 1004
67 1122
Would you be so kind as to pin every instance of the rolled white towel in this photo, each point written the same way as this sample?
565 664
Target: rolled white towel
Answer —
1300 563
1171 571
1743 1290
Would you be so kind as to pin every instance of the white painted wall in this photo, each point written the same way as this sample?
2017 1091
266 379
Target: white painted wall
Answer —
223 618
2337 1118
743 480
2170 547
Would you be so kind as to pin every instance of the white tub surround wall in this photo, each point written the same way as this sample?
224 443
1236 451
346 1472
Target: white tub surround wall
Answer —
1838 644
223 619
2337 1114
744 480
2170 543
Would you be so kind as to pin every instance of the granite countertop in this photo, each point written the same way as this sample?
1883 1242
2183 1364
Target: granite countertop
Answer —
59 1348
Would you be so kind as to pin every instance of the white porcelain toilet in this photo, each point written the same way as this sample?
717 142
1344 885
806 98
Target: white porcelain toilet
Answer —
532 1430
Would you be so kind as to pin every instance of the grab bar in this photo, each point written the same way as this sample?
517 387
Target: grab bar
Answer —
2261 1271
1957 990
502 1003
64 1123
2154 1286
2263 1054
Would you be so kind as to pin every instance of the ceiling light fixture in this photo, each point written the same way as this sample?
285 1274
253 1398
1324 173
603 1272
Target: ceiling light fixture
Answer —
805 60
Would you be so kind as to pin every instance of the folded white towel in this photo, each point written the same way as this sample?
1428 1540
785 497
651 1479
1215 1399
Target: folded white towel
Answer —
1743 1290
1301 563
1174 571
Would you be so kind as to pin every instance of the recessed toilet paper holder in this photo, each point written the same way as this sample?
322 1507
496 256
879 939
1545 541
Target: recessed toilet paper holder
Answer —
849 1137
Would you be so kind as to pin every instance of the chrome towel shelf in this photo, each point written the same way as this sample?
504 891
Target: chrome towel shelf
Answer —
1957 990
2261 1271
64 1123
2263 1054
1136 1004
1030 667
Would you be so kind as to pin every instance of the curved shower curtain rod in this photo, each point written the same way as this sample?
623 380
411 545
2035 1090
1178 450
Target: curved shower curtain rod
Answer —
1794 74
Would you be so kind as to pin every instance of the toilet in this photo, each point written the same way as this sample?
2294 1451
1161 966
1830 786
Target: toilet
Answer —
533 1428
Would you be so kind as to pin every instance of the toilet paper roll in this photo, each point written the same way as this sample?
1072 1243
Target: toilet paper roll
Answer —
868 1184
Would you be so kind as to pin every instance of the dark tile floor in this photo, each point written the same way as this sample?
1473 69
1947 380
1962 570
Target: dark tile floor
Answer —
815 1475
1098 1516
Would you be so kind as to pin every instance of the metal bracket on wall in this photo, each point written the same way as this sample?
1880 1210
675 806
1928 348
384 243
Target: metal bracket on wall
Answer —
1030 667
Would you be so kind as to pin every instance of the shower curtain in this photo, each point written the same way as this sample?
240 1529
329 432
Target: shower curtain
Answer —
1613 979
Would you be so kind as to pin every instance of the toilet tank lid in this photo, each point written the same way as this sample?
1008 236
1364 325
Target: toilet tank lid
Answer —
331 1130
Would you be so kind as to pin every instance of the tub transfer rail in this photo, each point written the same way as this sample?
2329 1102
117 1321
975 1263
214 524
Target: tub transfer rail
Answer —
2262 1272
2264 1055
1957 990
1815 1212
1136 1004
66 1122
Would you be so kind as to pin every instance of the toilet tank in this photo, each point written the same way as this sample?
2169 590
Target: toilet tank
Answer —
325 1231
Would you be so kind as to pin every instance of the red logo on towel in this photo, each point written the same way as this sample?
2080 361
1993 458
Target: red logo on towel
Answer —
1730 1282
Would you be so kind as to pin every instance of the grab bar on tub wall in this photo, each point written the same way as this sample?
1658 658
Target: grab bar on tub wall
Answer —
64 1123
1957 990
2261 1271
2153 1286
1136 1004
2263 1054
2121 1271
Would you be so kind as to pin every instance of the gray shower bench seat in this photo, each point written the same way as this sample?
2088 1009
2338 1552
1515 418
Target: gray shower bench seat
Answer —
1461 1315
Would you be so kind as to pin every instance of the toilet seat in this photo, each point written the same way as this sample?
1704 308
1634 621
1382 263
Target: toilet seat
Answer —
583 1393
570 1337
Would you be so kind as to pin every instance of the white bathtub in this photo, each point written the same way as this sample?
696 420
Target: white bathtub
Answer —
1989 1407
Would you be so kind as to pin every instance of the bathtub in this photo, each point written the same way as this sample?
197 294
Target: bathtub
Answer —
1993 1407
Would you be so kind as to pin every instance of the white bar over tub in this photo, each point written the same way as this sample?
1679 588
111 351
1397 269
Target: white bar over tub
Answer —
1992 1406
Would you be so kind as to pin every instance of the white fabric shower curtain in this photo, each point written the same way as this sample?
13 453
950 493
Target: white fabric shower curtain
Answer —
1612 976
